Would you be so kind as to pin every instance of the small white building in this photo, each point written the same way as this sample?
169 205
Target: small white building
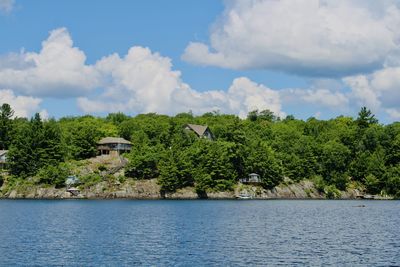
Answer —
253 178
72 181
3 158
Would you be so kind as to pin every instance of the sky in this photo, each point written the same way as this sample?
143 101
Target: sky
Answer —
307 58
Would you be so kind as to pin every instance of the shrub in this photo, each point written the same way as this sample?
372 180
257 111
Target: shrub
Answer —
90 179
53 175
332 192
372 184
319 182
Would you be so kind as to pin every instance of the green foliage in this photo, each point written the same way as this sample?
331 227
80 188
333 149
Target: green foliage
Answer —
6 114
35 144
372 184
54 174
80 135
262 160
319 182
90 179
333 153
365 118
143 162
392 178
332 192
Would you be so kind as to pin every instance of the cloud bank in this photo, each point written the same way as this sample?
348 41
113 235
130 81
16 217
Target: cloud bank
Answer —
144 81
139 82
58 70
23 106
308 37
6 6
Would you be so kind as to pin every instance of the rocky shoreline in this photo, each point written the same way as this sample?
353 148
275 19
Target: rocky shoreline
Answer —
149 189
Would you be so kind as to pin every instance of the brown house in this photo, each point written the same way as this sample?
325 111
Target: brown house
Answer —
113 146
200 130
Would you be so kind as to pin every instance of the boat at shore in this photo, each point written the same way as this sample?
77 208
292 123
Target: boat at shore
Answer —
244 196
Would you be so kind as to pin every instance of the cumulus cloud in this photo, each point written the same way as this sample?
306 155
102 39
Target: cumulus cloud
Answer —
143 81
6 6
241 97
139 82
58 70
317 96
312 37
379 90
23 106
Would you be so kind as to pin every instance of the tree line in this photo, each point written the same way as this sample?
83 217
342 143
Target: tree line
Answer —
335 153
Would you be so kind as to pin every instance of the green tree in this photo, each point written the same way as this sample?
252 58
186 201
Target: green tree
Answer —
6 114
262 160
365 118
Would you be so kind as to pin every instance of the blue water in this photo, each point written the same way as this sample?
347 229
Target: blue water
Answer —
199 233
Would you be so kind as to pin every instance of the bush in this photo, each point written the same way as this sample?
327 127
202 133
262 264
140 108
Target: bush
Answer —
90 179
340 180
372 184
332 192
54 175
319 183
143 164
102 168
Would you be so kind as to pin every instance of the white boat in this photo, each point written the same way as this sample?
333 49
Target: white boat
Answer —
244 196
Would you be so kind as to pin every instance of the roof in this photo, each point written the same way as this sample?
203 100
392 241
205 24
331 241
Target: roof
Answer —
113 140
199 129
2 152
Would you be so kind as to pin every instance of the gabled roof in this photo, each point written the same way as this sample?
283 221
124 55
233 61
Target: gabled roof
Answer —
2 152
113 140
198 129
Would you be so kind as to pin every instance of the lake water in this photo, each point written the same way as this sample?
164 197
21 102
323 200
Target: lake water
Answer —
199 233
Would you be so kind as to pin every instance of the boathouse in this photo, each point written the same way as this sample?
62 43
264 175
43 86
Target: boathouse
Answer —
113 146
201 131
253 178
3 158
72 181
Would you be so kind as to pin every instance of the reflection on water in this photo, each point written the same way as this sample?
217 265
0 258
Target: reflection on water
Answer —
197 233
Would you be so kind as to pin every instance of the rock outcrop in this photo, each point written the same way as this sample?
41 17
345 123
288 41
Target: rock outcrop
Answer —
149 189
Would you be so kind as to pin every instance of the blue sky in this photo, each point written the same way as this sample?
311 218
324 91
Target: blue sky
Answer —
317 58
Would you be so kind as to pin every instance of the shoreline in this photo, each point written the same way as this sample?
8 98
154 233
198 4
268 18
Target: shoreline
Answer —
150 190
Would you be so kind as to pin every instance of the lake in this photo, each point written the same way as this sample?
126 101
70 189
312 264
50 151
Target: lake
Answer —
199 233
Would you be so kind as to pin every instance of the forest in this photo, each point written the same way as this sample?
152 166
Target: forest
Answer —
334 154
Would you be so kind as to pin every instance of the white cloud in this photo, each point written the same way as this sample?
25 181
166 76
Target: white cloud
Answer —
245 95
362 92
394 113
58 70
316 97
145 78
379 90
325 98
23 106
6 6
313 37
143 81
242 97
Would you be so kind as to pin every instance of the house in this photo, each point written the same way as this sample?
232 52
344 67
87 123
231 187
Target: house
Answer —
200 130
113 146
253 178
3 158
71 181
